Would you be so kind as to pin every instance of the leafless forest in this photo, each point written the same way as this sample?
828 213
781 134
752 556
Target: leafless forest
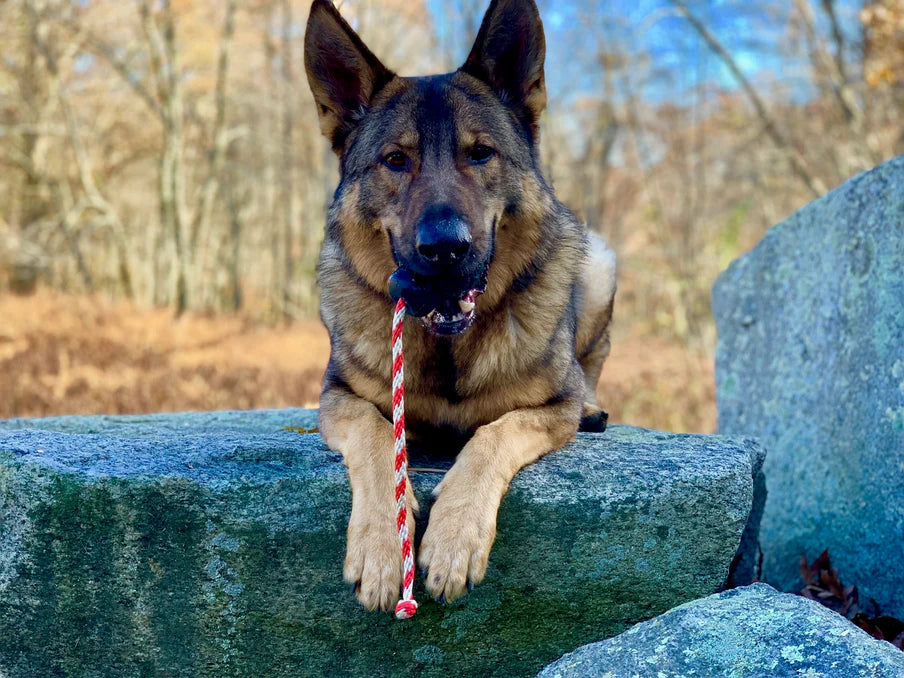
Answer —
165 154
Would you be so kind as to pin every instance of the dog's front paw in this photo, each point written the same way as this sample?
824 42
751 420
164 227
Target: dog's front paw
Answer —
373 559
593 419
456 546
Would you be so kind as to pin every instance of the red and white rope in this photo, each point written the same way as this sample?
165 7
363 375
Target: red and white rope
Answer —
407 606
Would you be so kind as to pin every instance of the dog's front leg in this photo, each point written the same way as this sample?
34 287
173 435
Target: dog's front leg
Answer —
373 561
456 546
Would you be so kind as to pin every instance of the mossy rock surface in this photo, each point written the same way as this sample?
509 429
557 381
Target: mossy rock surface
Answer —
810 360
749 632
211 544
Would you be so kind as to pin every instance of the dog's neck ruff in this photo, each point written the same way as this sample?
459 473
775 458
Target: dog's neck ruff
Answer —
407 606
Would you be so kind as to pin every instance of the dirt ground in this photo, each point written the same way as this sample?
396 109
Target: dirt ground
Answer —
64 354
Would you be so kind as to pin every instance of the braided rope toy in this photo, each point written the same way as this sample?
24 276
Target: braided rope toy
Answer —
407 606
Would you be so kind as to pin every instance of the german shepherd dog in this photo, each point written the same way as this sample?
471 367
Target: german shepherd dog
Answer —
509 298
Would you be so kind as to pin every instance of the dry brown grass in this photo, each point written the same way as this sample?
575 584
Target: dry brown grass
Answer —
651 382
79 355
63 354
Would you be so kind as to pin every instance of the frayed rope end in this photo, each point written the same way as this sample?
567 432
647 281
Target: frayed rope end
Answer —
405 609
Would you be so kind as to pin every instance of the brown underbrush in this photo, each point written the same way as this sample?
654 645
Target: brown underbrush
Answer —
65 354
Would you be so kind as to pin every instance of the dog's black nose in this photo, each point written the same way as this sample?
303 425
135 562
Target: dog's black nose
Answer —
443 237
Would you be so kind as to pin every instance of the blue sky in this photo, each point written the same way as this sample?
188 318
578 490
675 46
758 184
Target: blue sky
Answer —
679 59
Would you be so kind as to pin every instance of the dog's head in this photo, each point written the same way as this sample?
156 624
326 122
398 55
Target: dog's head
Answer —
432 163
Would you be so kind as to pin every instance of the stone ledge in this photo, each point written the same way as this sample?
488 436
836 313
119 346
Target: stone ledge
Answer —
750 632
810 361
212 545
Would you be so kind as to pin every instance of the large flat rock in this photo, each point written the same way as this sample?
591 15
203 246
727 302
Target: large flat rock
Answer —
750 632
811 361
204 545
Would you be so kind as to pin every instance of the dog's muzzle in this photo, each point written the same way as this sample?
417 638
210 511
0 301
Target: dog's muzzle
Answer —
444 312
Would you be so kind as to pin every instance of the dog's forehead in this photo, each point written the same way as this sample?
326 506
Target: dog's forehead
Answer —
434 113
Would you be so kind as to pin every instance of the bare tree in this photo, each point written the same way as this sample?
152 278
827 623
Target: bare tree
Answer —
798 162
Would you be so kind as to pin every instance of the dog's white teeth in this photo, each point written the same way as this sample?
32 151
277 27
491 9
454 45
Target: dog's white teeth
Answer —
466 306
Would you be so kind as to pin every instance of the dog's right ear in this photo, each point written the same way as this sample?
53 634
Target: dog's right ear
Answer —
343 74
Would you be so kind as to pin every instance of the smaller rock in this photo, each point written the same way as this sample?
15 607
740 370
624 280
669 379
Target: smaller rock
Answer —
753 631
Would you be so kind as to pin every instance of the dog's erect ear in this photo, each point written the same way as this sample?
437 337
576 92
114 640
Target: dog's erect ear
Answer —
343 74
508 55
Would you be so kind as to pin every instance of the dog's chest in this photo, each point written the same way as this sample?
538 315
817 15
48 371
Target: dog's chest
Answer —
496 366
492 357
434 369
433 366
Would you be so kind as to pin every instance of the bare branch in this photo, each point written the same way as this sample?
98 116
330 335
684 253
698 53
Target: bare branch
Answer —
796 158
829 7
99 48
95 199
828 68
160 68
219 136
31 128
287 172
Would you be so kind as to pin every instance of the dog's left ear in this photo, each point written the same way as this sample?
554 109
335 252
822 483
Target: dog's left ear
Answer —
508 55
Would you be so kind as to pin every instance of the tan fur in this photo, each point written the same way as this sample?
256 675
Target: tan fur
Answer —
592 340
503 394
516 384
456 547
364 438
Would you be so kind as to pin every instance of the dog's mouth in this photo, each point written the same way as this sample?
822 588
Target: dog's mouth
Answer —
440 311
452 317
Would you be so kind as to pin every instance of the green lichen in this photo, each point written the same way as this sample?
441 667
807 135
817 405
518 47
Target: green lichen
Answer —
812 363
220 554
750 632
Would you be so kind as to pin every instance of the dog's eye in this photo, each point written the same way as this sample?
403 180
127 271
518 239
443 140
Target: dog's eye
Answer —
480 154
396 160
